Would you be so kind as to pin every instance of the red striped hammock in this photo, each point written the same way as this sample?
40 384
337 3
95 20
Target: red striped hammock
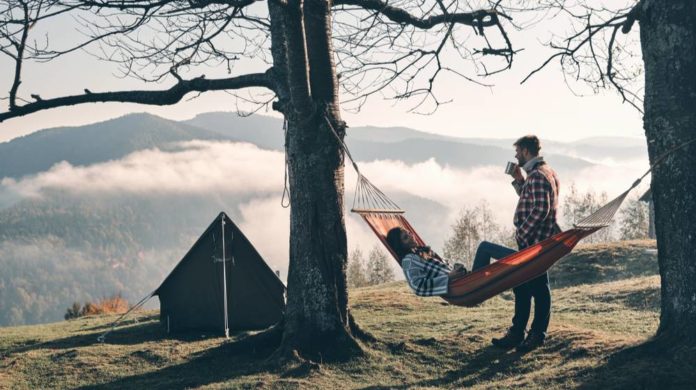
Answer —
382 215
475 287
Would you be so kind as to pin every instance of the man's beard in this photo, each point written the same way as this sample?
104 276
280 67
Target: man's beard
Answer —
521 161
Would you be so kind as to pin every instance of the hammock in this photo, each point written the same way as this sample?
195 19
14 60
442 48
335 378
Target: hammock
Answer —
382 215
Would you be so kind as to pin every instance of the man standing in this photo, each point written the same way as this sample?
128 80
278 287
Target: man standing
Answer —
535 221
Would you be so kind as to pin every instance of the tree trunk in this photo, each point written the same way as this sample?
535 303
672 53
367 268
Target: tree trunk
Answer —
316 321
668 39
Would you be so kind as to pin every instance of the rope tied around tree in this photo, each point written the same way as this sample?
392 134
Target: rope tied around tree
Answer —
286 188
367 196
603 216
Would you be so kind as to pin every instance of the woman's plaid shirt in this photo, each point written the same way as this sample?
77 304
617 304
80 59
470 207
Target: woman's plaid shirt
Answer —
535 216
426 277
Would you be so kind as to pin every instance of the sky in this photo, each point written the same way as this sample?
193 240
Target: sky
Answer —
544 105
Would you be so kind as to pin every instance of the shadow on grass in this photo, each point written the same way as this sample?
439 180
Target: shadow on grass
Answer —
131 335
489 364
643 300
651 365
480 367
214 365
127 336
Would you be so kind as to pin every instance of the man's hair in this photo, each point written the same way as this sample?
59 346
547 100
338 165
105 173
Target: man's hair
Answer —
529 142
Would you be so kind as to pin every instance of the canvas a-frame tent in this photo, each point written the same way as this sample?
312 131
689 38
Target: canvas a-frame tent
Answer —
202 287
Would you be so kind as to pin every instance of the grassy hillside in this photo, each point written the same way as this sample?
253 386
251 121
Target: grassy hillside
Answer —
604 314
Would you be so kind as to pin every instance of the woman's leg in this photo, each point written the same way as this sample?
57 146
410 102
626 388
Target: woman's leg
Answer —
487 250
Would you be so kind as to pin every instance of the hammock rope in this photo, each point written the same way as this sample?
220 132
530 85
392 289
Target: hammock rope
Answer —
603 216
367 196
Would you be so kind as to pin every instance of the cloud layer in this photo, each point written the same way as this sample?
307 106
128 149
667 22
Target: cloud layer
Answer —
191 167
251 180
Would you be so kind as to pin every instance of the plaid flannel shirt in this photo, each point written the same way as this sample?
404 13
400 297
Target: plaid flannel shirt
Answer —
535 216
426 277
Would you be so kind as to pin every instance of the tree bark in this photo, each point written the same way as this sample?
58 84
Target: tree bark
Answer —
668 39
317 322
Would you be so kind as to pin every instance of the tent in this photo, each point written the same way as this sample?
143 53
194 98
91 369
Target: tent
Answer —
222 283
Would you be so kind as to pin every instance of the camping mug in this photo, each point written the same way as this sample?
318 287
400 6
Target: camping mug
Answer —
510 168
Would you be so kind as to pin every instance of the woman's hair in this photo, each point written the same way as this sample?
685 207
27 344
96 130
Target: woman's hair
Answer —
395 242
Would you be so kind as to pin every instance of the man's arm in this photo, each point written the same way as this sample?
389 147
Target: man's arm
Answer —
540 189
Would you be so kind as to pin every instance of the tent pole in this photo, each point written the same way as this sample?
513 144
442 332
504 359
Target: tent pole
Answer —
224 276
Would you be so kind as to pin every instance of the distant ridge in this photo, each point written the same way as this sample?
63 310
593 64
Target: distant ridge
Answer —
115 138
89 144
367 143
266 132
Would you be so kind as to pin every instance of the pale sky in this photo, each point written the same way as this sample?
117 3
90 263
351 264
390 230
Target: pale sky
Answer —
544 105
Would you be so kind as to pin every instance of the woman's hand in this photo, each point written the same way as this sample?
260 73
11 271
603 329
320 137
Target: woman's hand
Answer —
458 269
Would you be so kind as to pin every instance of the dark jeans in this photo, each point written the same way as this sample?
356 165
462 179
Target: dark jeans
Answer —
487 251
537 288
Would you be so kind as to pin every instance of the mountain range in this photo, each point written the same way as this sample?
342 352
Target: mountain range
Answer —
116 138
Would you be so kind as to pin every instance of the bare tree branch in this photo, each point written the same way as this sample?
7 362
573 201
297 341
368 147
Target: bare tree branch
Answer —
147 4
19 46
160 98
479 18
156 40
582 53
396 48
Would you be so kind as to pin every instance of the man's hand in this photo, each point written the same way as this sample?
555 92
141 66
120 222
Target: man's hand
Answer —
517 174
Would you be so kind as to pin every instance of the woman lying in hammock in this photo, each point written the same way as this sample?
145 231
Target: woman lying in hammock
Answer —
426 272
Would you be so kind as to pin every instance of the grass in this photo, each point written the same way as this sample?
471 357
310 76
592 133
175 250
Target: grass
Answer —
606 307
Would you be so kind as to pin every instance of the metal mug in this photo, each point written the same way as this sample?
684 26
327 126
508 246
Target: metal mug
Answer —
510 168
